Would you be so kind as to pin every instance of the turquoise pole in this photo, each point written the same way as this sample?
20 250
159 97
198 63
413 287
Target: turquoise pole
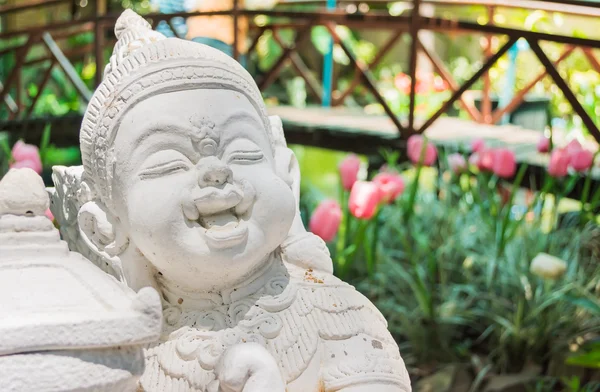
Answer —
510 80
328 65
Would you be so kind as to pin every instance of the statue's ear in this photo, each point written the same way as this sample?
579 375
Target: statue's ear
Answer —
285 160
288 169
100 230
300 247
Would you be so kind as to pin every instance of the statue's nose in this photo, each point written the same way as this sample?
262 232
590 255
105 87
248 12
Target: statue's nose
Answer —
213 172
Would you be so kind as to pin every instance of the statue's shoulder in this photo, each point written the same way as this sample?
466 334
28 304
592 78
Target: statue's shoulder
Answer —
331 294
354 346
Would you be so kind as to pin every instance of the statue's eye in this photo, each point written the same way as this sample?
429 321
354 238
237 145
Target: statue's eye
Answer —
246 156
164 169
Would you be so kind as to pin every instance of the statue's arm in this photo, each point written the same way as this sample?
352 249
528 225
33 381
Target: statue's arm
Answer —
364 364
375 387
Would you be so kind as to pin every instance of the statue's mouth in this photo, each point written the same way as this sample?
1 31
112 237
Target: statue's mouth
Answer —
224 229
221 213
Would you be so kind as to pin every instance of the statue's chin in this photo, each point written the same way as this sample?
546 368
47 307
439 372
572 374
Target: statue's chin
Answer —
213 270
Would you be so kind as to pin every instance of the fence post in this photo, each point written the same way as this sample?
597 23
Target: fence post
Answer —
414 46
328 65
486 103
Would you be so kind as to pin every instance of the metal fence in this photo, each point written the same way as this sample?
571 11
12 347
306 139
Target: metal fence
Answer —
57 52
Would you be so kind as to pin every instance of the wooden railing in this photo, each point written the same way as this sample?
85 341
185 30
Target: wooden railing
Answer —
58 53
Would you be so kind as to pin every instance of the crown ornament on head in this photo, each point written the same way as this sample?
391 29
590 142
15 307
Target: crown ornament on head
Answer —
145 63
132 32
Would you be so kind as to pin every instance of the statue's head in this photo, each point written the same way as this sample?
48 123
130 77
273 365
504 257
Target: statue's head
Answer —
184 165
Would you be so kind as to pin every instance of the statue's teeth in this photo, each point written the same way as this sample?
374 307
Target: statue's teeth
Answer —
221 221
228 226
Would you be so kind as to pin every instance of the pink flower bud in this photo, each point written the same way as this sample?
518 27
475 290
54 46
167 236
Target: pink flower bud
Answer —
504 163
364 199
484 159
559 163
26 155
49 214
439 84
581 160
391 186
543 145
573 147
33 164
402 82
325 220
22 151
457 163
477 145
414 147
349 171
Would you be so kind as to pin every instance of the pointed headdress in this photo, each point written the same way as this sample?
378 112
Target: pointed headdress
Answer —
145 63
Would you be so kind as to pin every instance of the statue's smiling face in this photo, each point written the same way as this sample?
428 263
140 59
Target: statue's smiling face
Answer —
196 186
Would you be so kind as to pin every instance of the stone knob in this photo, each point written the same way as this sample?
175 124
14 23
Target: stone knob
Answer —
22 192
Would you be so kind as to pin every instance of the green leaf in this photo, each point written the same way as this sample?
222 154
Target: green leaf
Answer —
586 303
4 146
45 142
589 360
62 156
349 250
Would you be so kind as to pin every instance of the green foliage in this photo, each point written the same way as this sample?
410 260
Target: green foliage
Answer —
432 286
564 384
139 6
444 303
5 153
589 357
319 170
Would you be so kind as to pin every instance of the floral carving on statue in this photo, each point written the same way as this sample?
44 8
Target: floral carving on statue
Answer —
190 188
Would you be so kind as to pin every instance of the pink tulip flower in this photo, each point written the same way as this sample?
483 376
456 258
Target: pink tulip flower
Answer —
484 159
22 151
402 82
26 155
474 160
581 160
364 199
477 145
325 220
543 145
33 164
49 215
573 147
349 169
439 84
559 163
457 163
414 147
504 163
391 186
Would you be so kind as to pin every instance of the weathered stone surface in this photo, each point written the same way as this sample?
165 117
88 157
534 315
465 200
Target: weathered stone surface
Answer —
188 186
22 192
65 325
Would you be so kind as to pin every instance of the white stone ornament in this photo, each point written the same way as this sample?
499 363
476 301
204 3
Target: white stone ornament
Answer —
188 186
22 193
65 325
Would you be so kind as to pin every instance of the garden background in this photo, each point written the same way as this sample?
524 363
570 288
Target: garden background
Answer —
485 264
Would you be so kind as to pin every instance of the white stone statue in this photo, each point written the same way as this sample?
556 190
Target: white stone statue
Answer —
188 186
64 325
